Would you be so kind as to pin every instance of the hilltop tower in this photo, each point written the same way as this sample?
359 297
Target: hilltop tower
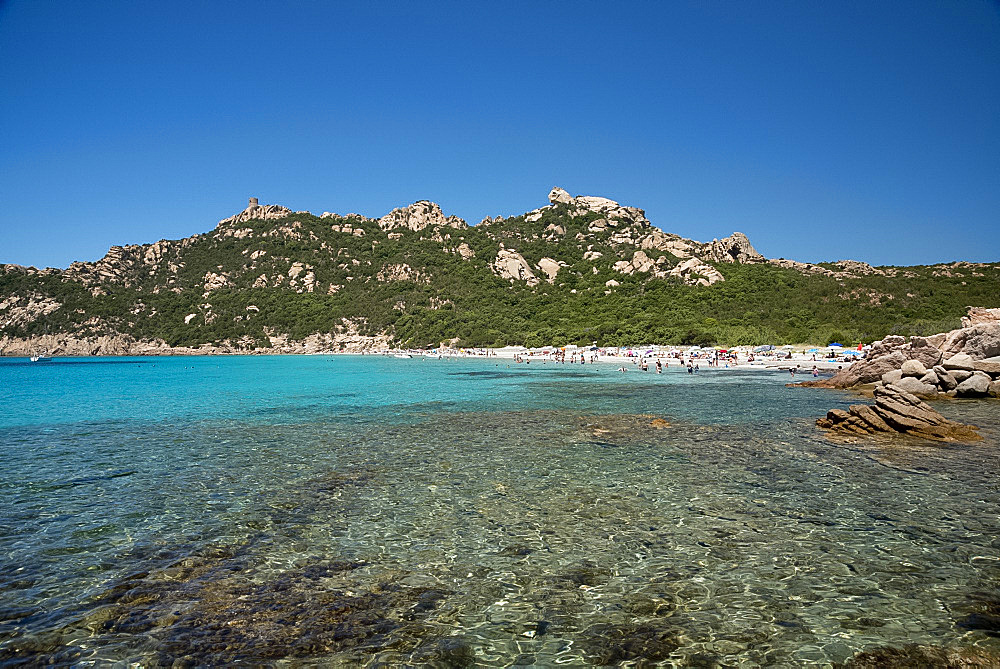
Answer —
253 203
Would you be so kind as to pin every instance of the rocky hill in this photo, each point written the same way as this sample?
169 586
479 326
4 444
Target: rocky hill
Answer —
577 270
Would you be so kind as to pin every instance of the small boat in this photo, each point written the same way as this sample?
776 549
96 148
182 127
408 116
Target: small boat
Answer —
402 355
40 358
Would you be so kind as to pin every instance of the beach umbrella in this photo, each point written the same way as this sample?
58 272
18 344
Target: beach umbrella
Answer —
836 345
813 350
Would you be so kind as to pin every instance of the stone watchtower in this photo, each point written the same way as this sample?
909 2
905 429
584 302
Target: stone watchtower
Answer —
253 203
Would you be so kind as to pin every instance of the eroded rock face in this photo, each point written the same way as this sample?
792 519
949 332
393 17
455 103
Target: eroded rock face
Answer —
550 268
417 216
17 311
979 341
896 411
672 244
613 212
511 265
354 218
640 262
846 268
734 248
401 272
977 315
465 251
557 195
858 268
696 273
213 281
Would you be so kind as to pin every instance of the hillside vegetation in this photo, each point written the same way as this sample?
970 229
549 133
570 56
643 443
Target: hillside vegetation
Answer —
579 270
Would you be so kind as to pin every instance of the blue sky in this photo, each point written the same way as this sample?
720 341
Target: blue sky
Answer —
865 130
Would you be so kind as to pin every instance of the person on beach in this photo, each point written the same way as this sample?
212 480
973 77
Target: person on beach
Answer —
815 371
659 366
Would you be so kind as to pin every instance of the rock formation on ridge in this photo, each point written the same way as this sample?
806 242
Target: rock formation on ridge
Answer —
419 215
270 212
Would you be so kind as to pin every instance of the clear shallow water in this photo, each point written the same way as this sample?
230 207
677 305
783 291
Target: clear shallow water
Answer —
364 510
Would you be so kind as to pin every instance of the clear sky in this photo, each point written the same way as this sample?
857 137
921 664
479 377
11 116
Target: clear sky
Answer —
822 130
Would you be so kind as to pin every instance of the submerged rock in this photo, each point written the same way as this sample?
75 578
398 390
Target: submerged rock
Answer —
914 655
607 644
897 411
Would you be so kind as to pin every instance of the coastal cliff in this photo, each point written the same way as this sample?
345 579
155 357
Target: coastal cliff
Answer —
580 269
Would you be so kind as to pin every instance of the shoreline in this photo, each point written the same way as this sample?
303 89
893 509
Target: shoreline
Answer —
802 362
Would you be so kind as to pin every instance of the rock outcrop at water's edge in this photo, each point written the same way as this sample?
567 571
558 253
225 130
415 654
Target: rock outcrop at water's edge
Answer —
961 363
896 412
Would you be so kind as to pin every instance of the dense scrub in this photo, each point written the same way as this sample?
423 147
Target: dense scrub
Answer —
439 296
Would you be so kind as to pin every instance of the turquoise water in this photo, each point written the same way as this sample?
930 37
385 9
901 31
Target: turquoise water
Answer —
380 511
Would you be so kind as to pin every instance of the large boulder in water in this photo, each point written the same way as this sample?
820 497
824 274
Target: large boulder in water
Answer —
976 385
896 412
916 386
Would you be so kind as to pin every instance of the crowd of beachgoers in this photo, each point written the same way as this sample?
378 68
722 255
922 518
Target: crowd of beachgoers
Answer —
647 358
